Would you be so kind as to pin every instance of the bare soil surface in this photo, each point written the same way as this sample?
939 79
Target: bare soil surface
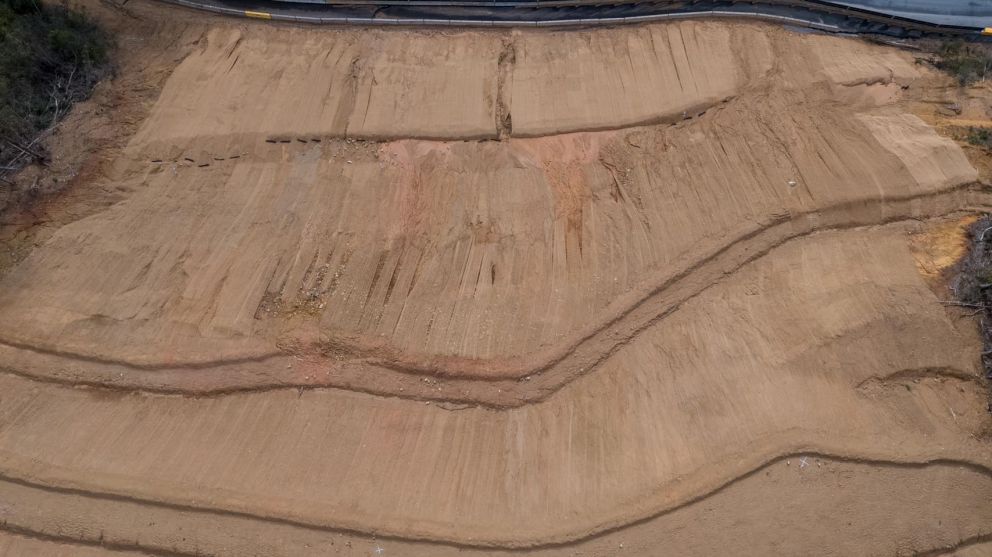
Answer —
823 507
661 289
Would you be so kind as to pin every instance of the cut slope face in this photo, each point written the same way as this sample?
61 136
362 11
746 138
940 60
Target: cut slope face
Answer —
790 356
380 85
573 331
494 261
453 85
566 82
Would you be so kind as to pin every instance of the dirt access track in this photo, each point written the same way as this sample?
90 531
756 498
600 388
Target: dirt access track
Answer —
652 290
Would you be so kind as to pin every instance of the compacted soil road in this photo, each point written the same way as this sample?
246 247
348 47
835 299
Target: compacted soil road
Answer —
655 290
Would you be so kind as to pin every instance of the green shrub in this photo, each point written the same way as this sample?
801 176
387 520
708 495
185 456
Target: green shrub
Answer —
981 137
50 57
972 286
967 64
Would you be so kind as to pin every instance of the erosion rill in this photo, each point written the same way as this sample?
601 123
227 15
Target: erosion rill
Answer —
645 290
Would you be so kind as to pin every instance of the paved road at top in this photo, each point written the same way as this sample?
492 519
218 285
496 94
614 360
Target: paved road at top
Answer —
966 13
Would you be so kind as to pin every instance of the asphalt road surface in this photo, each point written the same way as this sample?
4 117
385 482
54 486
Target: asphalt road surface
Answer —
966 13
965 17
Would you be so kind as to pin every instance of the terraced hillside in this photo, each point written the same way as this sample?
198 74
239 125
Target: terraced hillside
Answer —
591 292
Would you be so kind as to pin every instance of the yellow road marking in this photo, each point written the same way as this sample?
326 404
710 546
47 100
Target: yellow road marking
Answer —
259 15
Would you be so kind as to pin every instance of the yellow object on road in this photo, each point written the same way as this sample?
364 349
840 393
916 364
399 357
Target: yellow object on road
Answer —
259 15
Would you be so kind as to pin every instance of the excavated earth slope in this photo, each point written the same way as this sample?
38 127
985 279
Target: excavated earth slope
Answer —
559 293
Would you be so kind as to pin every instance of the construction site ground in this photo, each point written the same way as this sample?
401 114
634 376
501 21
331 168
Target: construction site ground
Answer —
660 289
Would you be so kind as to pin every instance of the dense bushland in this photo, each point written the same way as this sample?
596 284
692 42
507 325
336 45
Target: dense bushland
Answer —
50 57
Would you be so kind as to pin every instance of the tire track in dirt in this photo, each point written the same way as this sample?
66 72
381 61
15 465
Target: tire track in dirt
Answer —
110 548
137 548
963 544
493 384
904 375
233 519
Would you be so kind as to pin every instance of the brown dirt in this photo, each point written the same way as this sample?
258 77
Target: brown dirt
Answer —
825 507
591 292
939 247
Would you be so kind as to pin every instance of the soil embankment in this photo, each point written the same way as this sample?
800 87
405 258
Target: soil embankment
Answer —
489 292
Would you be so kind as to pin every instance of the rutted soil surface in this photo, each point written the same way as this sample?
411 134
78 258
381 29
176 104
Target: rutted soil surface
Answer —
582 292
863 499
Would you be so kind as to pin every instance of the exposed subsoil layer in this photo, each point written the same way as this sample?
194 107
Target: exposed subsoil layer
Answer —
554 293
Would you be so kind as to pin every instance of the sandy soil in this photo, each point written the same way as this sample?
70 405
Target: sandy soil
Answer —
779 509
659 289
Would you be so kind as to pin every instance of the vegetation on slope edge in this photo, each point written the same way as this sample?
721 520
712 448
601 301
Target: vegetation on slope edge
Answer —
50 57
